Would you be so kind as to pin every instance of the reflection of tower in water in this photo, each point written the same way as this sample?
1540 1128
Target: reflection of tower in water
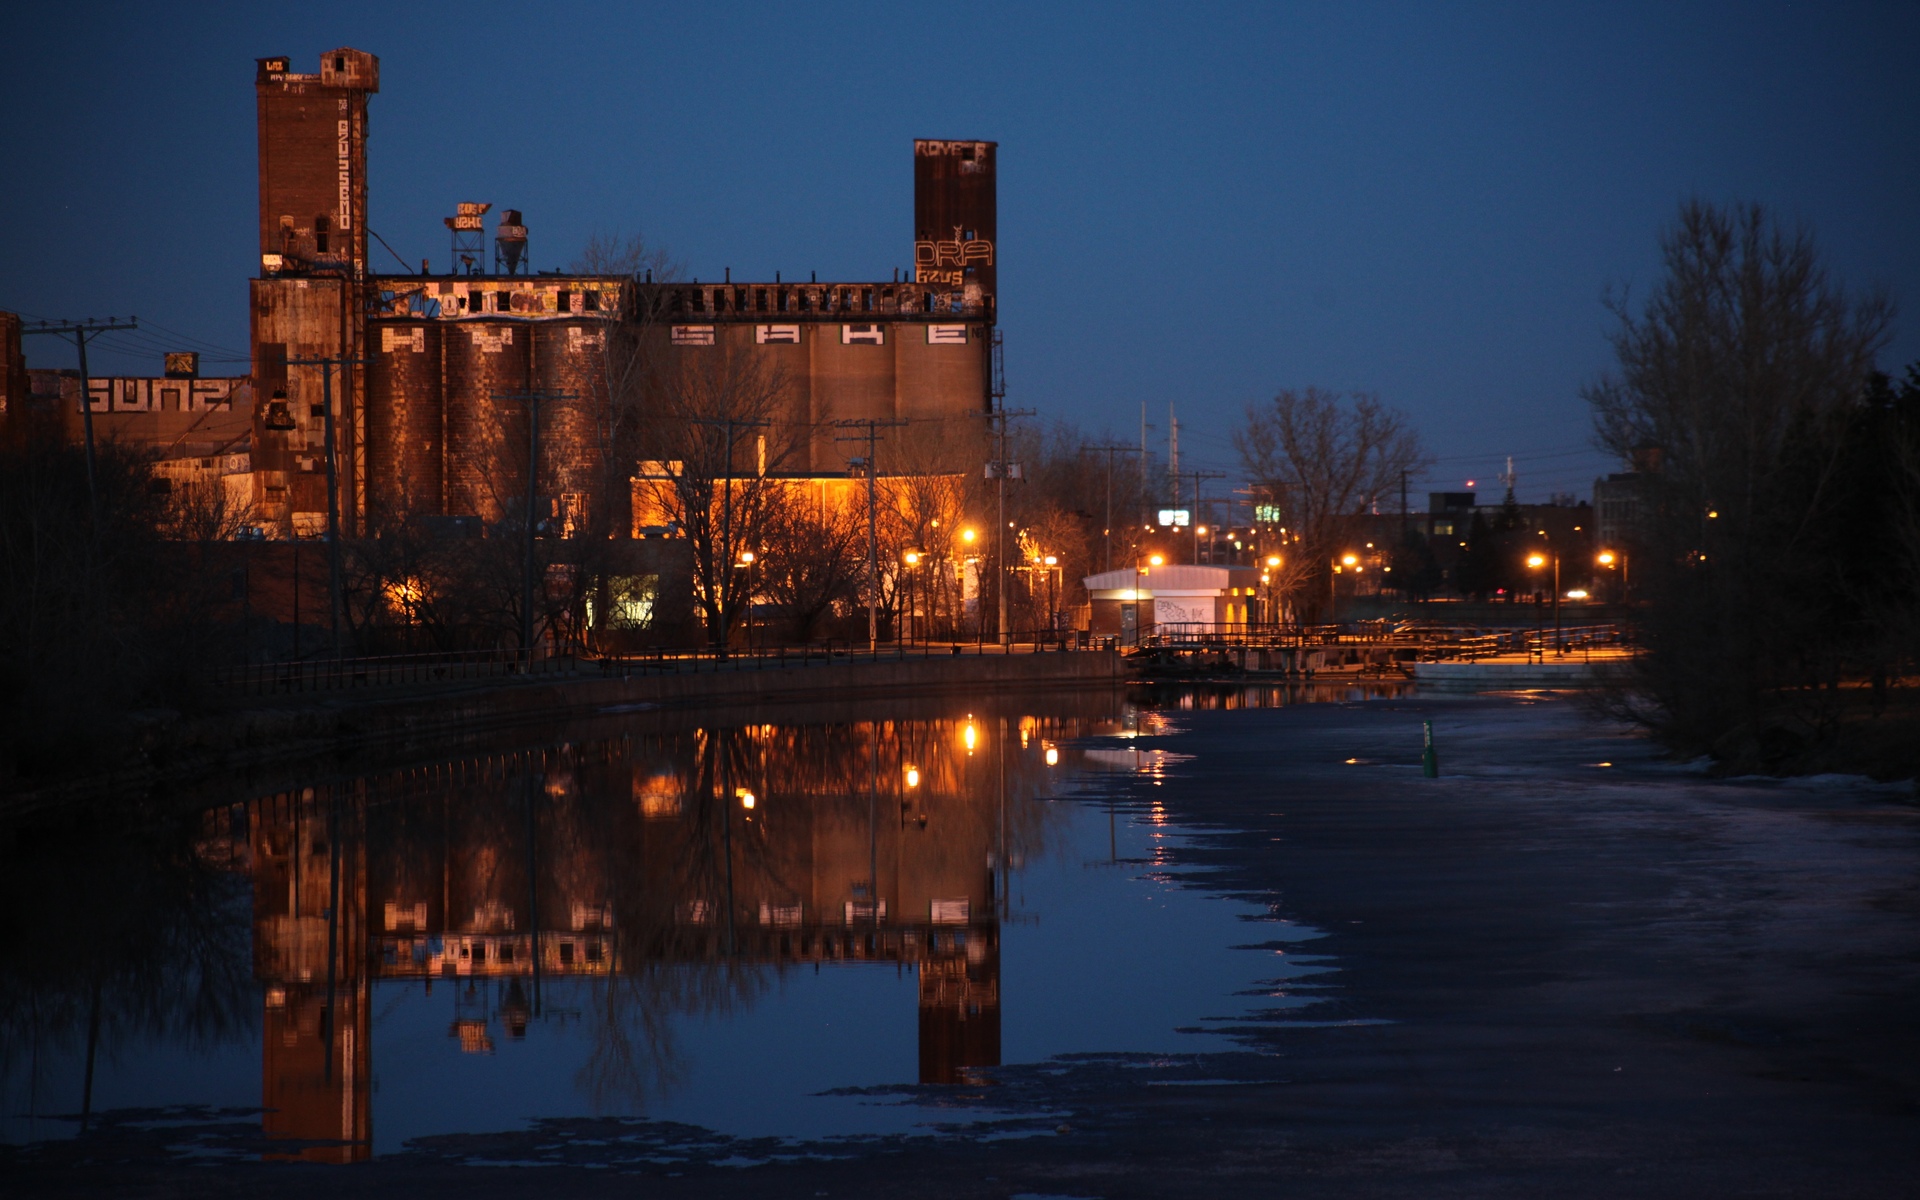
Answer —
309 900
606 862
960 1004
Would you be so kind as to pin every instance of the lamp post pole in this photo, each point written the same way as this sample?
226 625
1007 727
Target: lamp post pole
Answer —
335 602
1556 604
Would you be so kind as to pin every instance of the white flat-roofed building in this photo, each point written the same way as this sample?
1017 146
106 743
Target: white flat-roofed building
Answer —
1132 601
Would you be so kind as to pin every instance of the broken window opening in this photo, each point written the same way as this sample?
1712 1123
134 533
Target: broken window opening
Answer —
590 301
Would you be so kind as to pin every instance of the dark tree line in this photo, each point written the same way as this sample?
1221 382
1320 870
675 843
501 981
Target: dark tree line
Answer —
1776 553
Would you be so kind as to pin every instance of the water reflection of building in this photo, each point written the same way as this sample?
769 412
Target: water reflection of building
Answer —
310 948
775 846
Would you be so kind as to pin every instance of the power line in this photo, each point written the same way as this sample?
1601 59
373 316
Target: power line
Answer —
82 332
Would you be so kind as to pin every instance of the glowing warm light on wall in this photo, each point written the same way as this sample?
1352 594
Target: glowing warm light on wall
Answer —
969 735
913 777
1053 756
747 798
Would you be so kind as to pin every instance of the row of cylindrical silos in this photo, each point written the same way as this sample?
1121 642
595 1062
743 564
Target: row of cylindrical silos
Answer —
442 436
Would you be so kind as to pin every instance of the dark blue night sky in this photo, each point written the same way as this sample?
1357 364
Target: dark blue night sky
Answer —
1197 204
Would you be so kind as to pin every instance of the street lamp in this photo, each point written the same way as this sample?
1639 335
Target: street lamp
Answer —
1609 559
912 559
1535 562
746 560
1273 610
1052 563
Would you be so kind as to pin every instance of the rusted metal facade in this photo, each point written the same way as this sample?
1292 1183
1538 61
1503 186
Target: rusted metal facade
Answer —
955 216
570 357
406 452
486 464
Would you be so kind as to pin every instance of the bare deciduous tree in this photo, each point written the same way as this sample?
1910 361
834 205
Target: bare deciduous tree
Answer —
721 439
1322 458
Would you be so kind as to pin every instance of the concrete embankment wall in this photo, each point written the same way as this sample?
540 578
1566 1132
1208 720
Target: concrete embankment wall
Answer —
261 746
853 680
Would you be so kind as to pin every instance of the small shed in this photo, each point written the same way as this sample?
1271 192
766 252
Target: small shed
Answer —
1167 599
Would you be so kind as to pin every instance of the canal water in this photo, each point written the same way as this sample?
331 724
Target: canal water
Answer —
808 925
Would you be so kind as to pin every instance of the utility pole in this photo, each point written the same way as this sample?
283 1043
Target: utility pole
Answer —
1000 469
532 400
1193 522
873 425
1173 452
326 365
1110 452
724 559
83 332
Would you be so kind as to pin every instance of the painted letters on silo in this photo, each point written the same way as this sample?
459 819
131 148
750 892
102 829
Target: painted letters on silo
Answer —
955 225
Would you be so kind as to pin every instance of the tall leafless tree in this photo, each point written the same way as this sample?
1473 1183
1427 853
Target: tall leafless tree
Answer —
720 440
1322 457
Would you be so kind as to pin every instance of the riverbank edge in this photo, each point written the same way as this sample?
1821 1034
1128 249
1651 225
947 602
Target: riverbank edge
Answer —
245 741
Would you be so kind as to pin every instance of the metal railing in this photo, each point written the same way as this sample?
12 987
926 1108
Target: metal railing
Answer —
1423 644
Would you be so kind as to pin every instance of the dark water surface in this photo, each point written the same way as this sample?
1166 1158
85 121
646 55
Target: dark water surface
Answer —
756 927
